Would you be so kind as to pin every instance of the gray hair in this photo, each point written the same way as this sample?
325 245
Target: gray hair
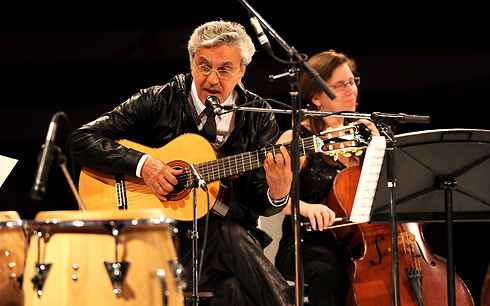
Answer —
221 32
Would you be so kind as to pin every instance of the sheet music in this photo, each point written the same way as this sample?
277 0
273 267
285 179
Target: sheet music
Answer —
6 166
361 210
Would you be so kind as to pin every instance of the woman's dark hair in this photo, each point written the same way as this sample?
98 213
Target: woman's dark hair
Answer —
324 63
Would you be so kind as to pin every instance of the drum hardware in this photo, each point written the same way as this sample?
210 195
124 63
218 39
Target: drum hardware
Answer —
178 270
12 224
20 279
116 270
180 283
74 276
163 283
40 275
11 265
41 270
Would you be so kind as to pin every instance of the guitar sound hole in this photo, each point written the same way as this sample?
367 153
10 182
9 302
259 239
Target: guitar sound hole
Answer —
180 190
179 187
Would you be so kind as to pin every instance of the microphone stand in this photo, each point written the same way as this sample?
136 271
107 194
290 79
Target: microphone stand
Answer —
296 63
60 159
387 131
376 116
293 79
194 235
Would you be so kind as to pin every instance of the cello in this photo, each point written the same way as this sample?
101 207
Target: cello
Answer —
422 274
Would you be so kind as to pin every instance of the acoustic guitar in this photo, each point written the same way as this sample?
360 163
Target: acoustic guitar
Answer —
109 191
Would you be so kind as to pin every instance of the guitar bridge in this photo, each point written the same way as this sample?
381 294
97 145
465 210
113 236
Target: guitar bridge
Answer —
122 199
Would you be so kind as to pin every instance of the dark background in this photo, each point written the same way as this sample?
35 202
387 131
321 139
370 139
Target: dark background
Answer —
86 59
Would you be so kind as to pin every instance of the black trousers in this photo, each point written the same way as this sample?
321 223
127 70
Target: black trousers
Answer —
323 270
235 267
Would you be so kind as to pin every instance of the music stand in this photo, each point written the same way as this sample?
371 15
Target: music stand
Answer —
441 175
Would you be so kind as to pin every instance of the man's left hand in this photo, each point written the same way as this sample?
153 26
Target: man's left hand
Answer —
279 174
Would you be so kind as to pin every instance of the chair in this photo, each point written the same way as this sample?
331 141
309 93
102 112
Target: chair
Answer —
273 227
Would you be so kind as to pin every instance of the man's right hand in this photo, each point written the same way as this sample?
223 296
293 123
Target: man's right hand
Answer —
159 177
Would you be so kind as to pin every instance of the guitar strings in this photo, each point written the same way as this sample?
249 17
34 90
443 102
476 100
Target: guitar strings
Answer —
232 165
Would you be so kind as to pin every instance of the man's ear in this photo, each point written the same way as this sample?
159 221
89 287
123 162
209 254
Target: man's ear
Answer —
242 73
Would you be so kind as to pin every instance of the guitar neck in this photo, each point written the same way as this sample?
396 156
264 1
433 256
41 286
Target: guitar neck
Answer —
236 164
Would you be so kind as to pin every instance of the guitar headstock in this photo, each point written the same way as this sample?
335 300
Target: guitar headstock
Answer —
345 140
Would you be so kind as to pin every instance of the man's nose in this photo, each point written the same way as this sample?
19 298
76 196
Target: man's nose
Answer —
213 78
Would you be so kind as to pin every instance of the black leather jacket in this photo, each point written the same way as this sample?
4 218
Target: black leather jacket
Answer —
158 114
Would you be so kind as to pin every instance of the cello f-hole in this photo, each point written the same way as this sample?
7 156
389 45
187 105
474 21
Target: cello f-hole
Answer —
380 258
421 254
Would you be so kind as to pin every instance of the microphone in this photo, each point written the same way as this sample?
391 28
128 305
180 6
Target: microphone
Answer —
44 160
213 104
402 118
415 118
264 41
200 182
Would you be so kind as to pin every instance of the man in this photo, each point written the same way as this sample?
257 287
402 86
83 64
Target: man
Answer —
233 264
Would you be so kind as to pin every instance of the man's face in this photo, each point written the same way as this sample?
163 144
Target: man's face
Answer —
221 57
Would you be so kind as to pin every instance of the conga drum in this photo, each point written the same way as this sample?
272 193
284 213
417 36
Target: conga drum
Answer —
102 258
12 256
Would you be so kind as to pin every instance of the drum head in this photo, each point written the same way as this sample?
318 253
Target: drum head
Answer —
6 216
88 215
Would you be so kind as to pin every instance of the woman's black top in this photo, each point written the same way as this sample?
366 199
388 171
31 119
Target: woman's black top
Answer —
316 180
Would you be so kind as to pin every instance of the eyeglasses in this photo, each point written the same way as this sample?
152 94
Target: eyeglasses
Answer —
341 86
222 73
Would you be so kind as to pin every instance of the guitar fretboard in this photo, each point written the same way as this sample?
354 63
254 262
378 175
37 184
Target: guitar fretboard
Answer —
344 140
236 164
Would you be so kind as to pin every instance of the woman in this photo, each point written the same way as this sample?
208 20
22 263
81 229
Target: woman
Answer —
324 261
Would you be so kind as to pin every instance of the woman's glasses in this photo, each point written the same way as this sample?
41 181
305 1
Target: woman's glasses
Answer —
341 86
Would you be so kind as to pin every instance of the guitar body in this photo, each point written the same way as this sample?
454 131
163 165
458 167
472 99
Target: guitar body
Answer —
101 191
106 191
